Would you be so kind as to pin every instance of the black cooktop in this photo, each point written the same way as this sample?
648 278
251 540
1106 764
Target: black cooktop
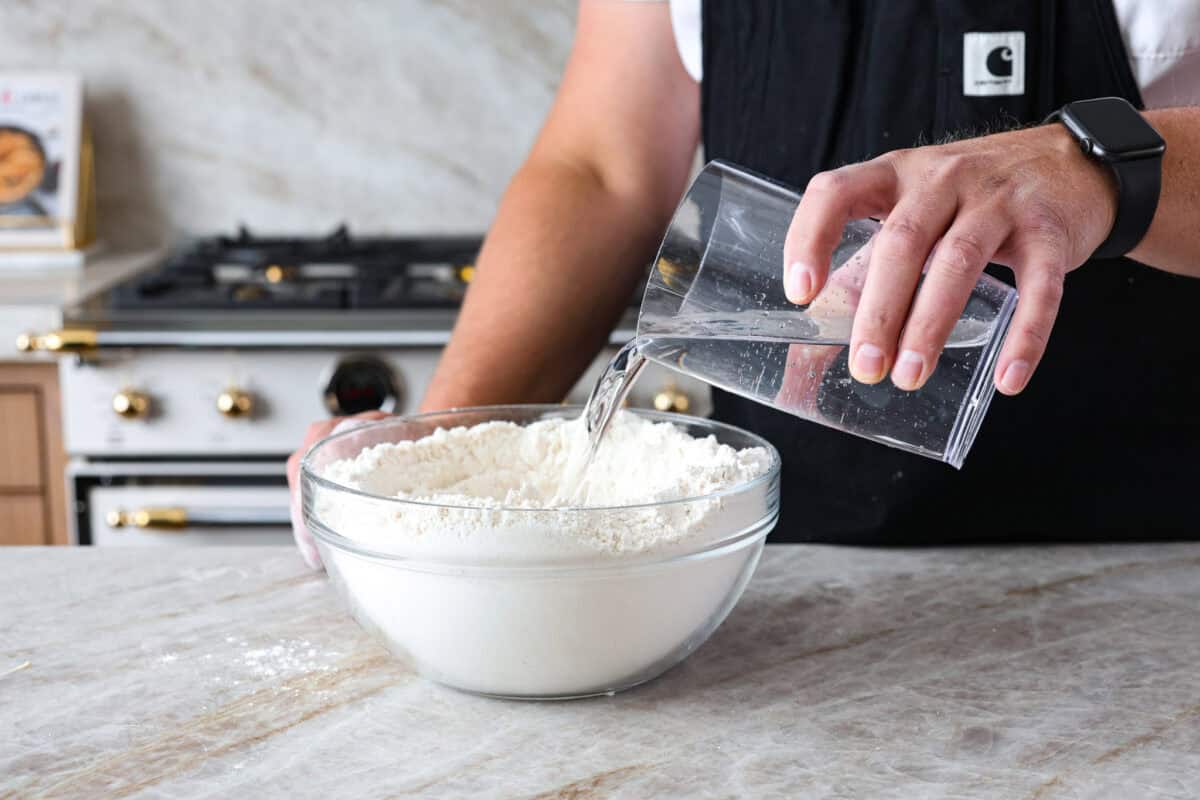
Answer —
338 271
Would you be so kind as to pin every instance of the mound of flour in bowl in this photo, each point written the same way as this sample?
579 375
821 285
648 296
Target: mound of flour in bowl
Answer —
497 484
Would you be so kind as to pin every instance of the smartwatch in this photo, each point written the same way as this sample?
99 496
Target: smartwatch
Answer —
1110 130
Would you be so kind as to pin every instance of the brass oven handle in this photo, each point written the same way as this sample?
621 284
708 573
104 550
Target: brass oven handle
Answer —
156 518
175 518
67 340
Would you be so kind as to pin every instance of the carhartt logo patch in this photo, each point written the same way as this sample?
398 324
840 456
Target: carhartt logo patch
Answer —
993 63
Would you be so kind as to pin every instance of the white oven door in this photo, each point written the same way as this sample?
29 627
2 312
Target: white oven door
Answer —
179 503
188 515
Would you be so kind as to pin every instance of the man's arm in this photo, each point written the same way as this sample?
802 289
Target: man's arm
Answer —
1028 199
581 218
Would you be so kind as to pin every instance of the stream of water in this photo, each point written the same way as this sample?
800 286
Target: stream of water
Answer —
669 340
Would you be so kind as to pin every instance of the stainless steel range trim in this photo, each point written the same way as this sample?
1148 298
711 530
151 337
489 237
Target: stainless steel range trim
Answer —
266 339
97 468
373 339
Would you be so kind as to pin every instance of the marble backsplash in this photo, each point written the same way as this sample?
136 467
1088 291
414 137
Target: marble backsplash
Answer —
296 115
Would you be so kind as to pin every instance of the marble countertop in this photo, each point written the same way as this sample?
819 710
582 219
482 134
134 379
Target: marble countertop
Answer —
1053 672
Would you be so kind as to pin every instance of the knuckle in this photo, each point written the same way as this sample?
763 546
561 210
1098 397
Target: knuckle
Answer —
1050 294
829 182
1049 249
924 332
953 166
896 162
896 158
994 183
961 255
1045 223
904 229
1035 330
875 320
1036 334
964 168
933 172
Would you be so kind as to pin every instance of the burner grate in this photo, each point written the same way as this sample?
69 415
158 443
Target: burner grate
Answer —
337 271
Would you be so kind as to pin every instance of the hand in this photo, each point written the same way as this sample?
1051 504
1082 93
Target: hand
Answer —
316 432
1028 199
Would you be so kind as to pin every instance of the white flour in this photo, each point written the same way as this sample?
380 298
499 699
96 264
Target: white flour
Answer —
501 465
567 629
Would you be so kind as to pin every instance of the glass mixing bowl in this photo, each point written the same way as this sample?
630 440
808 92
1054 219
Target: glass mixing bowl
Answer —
567 622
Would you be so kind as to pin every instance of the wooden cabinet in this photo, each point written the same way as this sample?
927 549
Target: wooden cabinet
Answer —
32 483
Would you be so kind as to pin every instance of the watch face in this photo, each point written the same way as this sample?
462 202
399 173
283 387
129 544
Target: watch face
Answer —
1114 126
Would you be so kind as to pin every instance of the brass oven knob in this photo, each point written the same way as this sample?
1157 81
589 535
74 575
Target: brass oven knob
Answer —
160 518
131 404
277 274
234 403
669 398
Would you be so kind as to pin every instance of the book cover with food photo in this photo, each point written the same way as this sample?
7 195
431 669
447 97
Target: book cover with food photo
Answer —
41 152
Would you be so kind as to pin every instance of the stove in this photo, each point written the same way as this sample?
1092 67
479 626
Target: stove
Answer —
334 272
186 386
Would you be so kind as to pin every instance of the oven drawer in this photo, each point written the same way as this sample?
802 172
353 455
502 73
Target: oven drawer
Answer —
186 516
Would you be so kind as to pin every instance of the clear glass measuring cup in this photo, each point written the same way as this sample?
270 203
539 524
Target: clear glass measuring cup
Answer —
715 309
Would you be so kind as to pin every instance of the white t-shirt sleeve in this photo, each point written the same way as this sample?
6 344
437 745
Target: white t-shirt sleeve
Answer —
685 21
1162 39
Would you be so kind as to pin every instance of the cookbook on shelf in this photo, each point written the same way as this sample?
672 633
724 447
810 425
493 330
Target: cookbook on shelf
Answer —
47 195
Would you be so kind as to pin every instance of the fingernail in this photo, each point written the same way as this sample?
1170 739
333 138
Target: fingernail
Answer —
800 282
868 363
1015 376
909 367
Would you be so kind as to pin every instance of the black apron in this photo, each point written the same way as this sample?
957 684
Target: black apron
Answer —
792 87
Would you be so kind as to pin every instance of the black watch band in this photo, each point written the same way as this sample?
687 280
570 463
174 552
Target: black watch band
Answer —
1138 185
1139 182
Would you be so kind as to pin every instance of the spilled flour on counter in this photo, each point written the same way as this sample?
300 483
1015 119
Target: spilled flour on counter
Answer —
515 474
